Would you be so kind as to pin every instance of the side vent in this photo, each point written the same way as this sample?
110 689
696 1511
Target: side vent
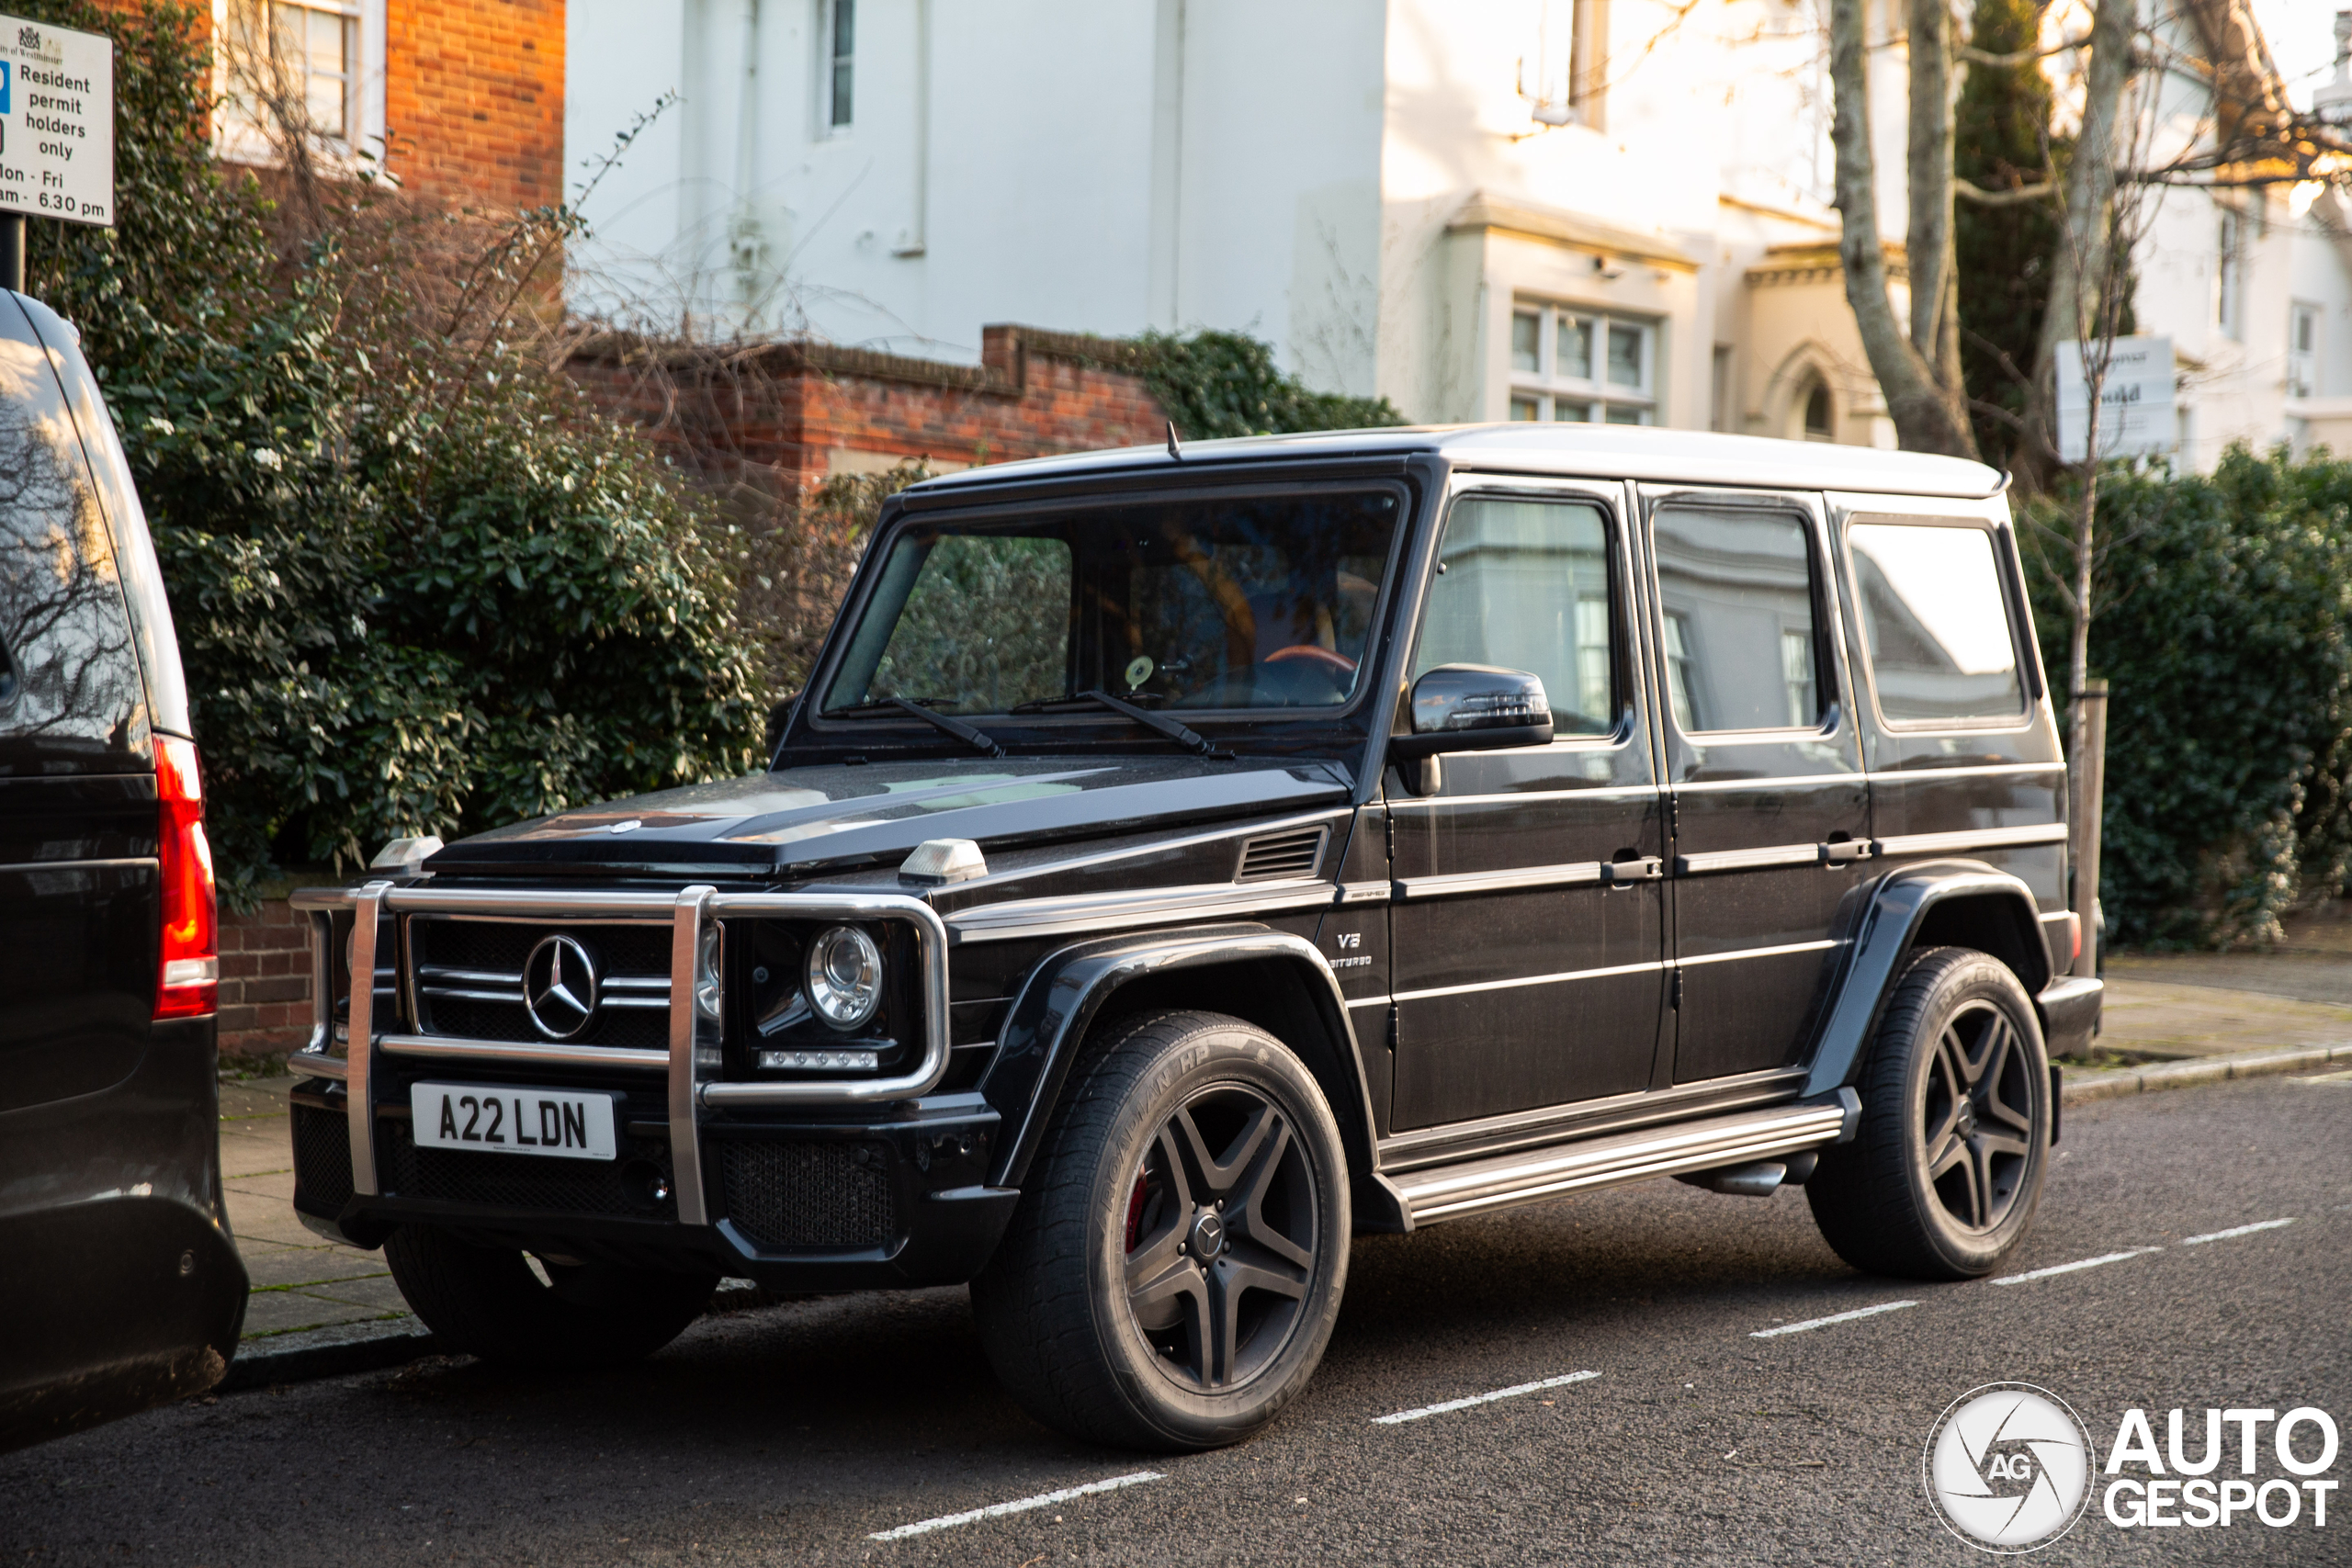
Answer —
1283 855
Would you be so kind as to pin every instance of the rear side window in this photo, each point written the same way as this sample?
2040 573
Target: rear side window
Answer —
78 704
1935 621
1737 590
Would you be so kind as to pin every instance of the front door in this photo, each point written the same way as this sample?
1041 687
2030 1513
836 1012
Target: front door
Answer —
1770 809
1528 932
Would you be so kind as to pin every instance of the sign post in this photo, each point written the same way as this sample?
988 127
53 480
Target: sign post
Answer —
2135 409
56 132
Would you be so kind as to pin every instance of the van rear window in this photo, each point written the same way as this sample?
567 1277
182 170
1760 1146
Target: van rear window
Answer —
77 702
1942 643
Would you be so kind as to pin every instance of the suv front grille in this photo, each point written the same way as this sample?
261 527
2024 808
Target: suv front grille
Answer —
810 1194
469 979
618 1189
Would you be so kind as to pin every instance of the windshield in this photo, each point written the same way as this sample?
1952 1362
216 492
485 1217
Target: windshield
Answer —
1212 603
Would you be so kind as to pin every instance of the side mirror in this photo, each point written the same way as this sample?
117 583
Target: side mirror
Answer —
1474 707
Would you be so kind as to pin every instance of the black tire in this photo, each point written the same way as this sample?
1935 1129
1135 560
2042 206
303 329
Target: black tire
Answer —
1099 1309
1944 1174
487 1303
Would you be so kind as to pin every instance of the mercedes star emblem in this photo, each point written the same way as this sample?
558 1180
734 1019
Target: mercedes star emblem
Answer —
559 987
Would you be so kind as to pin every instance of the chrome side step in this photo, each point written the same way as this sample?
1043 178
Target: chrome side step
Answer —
1448 1191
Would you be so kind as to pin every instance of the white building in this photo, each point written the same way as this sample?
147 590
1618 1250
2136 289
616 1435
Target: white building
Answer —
1608 209
1541 206
2254 286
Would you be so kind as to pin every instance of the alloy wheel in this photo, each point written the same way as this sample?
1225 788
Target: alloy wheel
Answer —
1222 1230
1977 1117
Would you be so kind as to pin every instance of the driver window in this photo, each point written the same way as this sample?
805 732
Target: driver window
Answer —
1524 585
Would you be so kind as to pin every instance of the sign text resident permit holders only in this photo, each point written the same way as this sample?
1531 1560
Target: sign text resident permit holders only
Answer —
56 122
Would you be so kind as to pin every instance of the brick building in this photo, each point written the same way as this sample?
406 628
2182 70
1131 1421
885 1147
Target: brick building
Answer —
467 95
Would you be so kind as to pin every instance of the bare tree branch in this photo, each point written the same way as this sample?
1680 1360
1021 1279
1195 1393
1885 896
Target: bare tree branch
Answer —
2018 196
2017 56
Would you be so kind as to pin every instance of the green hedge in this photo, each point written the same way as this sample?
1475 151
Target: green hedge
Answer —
2222 609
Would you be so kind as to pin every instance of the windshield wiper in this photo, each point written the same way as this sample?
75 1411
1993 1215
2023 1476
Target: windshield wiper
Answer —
1158 723
979 739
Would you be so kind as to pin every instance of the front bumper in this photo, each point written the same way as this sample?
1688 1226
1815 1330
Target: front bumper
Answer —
798 1185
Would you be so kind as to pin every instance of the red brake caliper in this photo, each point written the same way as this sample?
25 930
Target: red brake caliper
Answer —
1135 1211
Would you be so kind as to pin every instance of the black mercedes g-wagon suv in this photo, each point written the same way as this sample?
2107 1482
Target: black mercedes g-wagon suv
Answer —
1182 861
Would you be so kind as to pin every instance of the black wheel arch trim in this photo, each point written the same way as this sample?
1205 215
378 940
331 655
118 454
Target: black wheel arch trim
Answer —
1068 992
1882 944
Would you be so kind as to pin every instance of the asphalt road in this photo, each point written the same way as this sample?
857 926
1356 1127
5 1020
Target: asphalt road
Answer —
794 1434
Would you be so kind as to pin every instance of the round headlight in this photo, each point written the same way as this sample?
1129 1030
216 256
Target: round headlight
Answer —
844 977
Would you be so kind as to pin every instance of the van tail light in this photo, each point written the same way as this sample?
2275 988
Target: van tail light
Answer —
188 985
2075 939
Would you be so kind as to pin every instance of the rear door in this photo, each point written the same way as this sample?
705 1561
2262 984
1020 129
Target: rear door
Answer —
78 889
1956 723
1770 805
1528 929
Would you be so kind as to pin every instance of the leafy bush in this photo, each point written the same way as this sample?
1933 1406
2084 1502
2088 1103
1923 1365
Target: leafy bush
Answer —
2223 620
419 586
1217 384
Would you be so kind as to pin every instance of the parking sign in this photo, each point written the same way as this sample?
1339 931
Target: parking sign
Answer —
56 122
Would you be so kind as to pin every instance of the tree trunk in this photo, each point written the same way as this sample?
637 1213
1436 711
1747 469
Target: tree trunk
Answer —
1926 412
2081 273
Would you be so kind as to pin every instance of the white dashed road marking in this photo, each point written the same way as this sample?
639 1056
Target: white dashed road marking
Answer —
2070 1268
1833 1318
998 1510
1511 1393
2238 1230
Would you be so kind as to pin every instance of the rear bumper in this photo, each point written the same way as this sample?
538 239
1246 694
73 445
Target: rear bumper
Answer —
2070 1013
798 1205
123 1288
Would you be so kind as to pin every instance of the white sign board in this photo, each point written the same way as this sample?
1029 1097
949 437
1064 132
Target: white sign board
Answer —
56 122
2135 412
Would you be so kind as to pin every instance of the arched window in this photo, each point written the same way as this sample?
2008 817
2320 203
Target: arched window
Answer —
1818 417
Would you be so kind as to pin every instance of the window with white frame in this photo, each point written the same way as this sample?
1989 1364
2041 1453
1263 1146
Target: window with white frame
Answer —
2229 266
292 68
841 64
2302 350
1582 367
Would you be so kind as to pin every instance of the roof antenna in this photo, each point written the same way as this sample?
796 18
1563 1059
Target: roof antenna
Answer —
1175 447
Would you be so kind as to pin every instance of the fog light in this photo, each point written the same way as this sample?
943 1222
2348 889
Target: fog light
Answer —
821 1060
844 977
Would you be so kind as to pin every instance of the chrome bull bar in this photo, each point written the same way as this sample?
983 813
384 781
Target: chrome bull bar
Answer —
687 913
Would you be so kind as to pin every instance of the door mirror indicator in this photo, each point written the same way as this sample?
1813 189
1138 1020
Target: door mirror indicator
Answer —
1475 707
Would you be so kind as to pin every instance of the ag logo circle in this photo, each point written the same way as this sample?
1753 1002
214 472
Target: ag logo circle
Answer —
559 987
2008 1468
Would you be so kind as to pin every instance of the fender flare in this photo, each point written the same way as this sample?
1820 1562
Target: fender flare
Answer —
1067 991
1881 943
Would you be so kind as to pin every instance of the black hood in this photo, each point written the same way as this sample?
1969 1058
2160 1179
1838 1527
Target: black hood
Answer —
794 821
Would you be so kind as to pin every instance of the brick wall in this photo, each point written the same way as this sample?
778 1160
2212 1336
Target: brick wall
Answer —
807 410
473 96
265 980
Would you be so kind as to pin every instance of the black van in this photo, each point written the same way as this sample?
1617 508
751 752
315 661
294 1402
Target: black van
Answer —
122 1286
1182 860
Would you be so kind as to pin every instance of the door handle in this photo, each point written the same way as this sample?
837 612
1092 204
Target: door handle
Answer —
1625 873
1844 851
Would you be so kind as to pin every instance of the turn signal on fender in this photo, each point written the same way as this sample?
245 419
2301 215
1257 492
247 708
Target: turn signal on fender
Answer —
189 983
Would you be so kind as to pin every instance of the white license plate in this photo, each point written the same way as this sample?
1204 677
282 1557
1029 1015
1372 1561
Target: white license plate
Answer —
503 1119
